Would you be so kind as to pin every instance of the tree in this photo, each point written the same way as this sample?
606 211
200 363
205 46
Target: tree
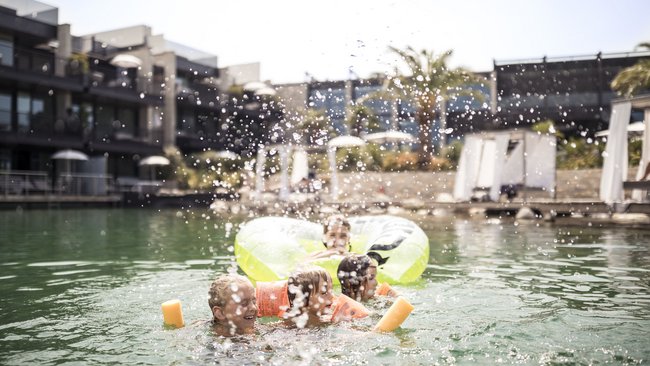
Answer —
314 127
361 118
635 78
429 84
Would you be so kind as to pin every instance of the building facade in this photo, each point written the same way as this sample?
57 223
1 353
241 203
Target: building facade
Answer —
117 96
573 92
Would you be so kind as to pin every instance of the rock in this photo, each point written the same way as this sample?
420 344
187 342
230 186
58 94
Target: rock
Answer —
413 203
600 216
445 198
477 211
525 213
219 206
395 210
441 212
631 218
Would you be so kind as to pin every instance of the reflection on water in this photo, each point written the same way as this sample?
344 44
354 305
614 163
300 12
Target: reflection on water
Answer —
86 287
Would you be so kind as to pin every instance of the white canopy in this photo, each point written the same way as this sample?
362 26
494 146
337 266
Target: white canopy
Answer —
486 163
300 167
615 164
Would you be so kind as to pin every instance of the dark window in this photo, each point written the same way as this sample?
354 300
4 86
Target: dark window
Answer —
5 112
23 107
6 50
127 122
105 119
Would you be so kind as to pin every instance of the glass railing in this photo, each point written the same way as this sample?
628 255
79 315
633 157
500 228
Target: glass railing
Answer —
33 183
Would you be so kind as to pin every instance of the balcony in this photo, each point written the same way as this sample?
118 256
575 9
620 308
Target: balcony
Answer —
35 66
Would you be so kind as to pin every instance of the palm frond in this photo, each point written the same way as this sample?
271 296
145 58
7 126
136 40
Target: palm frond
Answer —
633 79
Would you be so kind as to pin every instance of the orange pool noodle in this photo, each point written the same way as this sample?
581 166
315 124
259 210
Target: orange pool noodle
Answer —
272 298
383 289
172 313
345 308
395 316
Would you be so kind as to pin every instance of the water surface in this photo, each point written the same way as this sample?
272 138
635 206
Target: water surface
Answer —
85 287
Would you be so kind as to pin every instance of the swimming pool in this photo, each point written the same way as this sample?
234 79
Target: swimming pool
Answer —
85 286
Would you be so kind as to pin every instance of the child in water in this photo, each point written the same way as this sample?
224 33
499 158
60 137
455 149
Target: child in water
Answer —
233 305
357 274
336 238
309 292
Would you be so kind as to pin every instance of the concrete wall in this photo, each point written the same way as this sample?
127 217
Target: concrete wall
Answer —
581 184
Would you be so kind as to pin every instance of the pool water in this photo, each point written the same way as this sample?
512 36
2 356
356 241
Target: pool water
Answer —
85 287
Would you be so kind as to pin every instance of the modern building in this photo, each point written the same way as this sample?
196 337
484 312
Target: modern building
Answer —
58 92
117 96
574 92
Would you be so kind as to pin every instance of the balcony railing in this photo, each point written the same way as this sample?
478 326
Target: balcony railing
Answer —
37 61
31 183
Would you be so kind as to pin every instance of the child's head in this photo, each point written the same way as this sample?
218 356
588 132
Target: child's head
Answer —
310 292
233 303
336 233
358 276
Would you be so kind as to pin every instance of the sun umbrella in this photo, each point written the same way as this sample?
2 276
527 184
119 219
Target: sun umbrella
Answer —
154 160
638 126
69 155
389 136
126 61
254 86
214 155
346 141
266 91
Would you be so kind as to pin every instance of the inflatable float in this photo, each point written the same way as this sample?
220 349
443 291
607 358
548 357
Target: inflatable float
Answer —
270 248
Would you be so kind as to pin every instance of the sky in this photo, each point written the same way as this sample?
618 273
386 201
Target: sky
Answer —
333 40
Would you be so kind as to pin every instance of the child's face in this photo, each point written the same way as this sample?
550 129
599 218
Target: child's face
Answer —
337 237
370 283
321 299
240 310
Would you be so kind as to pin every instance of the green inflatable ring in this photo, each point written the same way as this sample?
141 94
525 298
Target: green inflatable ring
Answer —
270 248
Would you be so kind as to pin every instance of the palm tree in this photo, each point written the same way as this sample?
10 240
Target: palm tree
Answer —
361 118
635 78
314 126
429 84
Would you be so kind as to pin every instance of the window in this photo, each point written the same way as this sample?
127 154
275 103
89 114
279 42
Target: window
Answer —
186 123
6 50
23 108
128 122
105 119
5 112
332 102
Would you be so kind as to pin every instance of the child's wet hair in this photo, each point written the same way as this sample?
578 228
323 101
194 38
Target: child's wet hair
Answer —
303 283
335 219
222 286
351 272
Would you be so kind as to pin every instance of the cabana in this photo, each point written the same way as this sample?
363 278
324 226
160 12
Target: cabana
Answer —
300 166
615 166
493 161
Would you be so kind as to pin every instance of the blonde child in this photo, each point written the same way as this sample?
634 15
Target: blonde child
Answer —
233 305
